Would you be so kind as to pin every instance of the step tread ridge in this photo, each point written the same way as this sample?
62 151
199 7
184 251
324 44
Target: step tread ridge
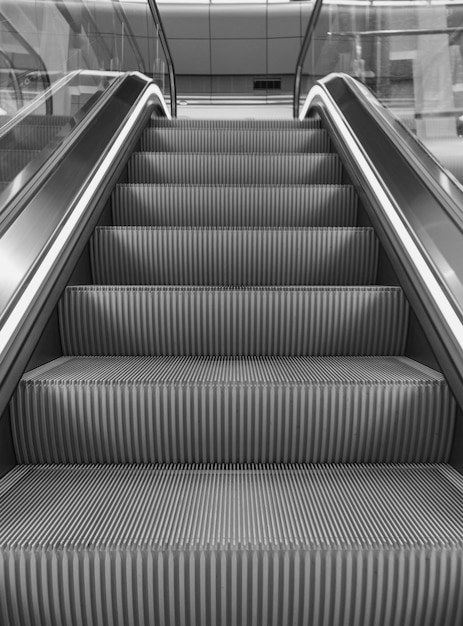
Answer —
246 205
357 506
233 321
229 140
154 167
234 256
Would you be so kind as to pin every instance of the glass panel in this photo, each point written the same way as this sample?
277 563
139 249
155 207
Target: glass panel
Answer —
56 58
409 53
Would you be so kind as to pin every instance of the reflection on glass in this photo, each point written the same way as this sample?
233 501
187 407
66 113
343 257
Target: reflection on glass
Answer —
409 53
56 58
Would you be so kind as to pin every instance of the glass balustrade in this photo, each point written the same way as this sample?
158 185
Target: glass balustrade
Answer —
410 54
56 59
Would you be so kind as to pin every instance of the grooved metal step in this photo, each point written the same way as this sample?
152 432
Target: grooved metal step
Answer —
249 378
265 321
230 141
212 256
238 545
162 168
207 410
224 205
234 124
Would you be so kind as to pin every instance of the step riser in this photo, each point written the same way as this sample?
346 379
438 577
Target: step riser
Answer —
182 205
230 141
231 423
235 124
124 321
146 167
236 257
240 588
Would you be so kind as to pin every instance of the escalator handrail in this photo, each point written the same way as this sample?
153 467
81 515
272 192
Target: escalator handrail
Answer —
49 234
297 85
413 203
45 75
391 32
165 47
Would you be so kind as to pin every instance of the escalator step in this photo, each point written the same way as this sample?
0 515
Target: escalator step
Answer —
214 321
201 205
218 410
230 141
234 124
218 544
211 256
148 167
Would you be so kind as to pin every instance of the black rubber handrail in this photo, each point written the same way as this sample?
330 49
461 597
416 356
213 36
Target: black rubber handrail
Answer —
165 47
17 87
57 216
398 32
45 76
302 55
414 205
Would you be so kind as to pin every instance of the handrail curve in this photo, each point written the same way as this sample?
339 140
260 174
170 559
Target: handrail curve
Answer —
413 204
165 47
302 54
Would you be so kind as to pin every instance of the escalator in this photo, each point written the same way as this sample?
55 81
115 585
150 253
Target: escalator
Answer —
23 143
236 430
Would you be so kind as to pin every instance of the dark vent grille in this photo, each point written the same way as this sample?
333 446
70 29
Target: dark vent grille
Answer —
267 83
